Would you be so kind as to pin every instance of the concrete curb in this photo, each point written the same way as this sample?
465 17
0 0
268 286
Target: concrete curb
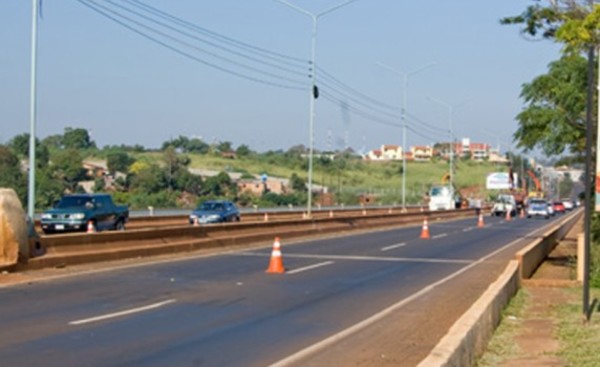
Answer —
467 339
469 335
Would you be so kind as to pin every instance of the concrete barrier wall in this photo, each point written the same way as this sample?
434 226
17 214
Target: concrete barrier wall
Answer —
534 254
64 243
468 337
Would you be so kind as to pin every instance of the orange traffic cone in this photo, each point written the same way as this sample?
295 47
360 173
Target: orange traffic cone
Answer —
390 211
508 216
522 213
196 223
331 214
90 227
276 263
425 231
266 218
480 223
364 212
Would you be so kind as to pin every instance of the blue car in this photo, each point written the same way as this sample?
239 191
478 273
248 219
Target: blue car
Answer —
215 211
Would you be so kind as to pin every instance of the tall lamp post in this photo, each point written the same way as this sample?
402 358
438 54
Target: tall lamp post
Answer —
32 110
313 92
450 114
405 77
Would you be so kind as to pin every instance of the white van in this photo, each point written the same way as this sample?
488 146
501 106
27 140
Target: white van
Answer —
441 197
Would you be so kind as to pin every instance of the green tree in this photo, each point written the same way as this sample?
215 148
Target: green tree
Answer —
554 116
77 139
20 144
67 166
12 176
243 151
119 161
298 184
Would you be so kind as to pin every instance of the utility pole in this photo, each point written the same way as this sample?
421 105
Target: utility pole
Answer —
32 110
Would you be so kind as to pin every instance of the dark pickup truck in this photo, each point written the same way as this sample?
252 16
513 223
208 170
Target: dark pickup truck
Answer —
75 212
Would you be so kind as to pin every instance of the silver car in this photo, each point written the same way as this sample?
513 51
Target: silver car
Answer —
538 208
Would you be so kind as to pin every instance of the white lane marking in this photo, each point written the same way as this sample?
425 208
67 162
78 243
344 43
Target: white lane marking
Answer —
367 258
299 270
122 313
393 246
468 229
306 352
440 236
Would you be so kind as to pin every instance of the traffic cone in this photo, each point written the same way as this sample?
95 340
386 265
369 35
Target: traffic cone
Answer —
364 212
90 227
480 223
331 214
522 213
276 263
266 218
508 216
390 211
196 223
425 231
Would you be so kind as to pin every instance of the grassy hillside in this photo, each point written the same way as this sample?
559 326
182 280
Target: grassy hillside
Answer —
353 176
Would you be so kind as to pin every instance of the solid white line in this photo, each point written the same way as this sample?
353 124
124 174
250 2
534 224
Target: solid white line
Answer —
393 246
121 313
440 236
296 357
299 270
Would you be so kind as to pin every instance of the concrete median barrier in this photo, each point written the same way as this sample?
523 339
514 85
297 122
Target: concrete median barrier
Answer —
467 339
77 248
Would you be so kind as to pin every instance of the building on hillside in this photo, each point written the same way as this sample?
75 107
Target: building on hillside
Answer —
387 152
95 168
258 187
421 153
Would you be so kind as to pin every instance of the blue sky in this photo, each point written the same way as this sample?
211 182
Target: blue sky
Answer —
95 74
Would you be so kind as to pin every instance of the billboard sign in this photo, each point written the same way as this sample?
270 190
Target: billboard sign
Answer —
500 181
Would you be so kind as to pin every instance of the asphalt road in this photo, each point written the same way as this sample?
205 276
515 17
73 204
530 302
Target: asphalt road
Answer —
224 310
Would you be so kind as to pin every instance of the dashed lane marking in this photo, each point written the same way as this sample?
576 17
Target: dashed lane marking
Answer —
442 235
393 246
364 258
310 267
122 313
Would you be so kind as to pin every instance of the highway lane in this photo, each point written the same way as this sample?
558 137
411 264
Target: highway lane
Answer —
224 310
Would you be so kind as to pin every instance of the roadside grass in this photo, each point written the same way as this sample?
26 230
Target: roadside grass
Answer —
502 346
579 340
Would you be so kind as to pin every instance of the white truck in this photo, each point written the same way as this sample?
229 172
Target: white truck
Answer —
442 197
505 203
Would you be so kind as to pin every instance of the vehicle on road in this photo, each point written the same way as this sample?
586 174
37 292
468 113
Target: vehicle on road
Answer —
559 207
215 211
505 203
568 203
442 197
77 212
538 208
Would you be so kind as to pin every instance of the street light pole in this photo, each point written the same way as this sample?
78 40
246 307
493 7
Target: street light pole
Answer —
405 77
32 111
450 114
313 92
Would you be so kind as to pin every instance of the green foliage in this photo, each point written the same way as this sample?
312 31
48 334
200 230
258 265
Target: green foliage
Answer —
118 161
554 119
12 176
48 188
243 151
298 184
67 166
76 138
270 199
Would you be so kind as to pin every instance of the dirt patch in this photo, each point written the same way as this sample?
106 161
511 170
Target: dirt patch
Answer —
535 329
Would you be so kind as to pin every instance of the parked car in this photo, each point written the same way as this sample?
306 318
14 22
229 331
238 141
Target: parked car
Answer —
76 212
538 208
215 211
559 207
